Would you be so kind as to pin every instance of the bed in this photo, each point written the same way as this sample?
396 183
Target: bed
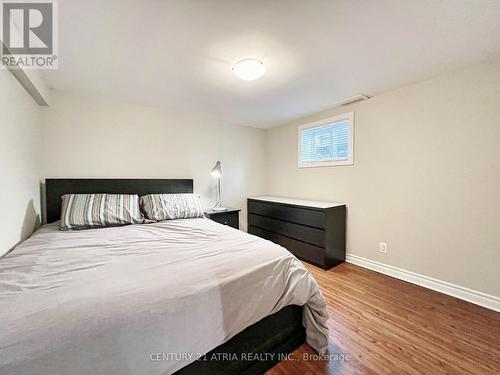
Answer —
186 296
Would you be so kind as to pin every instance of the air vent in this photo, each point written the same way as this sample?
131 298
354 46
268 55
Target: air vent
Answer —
353 99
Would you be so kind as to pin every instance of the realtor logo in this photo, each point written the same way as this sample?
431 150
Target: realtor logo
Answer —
29 34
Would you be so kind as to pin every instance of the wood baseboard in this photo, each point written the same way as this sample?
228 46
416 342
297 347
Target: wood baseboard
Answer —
466 294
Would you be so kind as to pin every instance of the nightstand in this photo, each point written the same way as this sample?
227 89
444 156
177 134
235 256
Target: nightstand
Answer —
230 217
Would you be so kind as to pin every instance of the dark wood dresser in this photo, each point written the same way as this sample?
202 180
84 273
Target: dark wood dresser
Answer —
312 231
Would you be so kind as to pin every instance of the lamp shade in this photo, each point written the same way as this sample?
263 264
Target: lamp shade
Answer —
217 170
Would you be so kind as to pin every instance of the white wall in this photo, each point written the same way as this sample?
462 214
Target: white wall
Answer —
90 137
20 129
425 179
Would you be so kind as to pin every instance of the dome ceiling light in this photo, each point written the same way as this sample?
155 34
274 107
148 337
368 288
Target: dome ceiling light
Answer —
249 69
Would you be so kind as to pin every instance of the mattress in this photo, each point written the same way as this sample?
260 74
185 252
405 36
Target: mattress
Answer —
143 299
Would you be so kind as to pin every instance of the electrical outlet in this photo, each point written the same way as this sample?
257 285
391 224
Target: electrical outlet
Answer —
382 247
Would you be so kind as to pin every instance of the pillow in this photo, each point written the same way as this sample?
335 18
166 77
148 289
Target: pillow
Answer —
83 211
159 207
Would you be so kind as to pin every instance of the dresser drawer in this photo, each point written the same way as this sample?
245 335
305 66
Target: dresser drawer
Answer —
302 250
296 215
303 233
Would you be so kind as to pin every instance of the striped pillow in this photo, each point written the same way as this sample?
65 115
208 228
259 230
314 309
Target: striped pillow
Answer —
159 207
83 211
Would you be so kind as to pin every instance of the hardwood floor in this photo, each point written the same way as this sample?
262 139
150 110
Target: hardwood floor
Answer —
382 325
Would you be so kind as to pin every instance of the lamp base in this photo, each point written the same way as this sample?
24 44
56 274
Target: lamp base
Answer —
219 209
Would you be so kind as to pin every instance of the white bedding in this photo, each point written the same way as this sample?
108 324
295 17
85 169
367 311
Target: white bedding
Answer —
103 301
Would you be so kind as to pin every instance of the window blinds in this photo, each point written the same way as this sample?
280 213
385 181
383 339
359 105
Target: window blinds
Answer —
325 143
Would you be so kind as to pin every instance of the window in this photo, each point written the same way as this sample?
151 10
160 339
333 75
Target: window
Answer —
327 142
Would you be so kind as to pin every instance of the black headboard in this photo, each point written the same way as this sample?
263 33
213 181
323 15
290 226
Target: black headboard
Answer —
55 188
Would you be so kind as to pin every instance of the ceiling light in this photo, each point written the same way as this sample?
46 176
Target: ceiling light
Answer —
249 69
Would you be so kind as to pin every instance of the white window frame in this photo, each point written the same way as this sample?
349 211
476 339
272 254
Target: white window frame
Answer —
349 116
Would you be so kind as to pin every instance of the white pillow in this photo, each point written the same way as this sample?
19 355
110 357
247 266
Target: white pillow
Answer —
159 207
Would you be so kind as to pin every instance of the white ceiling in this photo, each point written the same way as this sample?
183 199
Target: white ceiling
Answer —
178 54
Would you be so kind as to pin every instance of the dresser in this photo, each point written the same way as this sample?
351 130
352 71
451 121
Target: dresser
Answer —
313 231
